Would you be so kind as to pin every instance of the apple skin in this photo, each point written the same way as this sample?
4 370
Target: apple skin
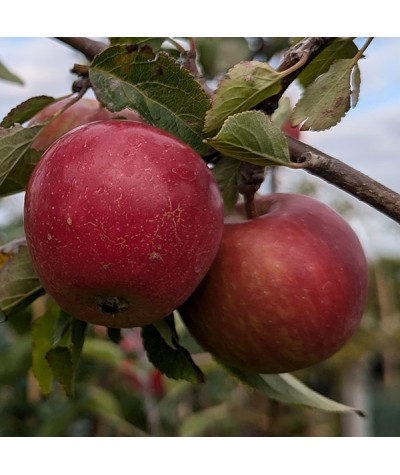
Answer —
290 130
82 112
286 290
122 221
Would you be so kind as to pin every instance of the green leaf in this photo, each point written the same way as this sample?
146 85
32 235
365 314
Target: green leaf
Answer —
282 114
226 171
19 284
7 75
62 331
26 110
18 178
251 137
326 101
43 328
60 362
167 355
166 329
77 340
341 48
288 389
248 83
15 143
165 94
64 356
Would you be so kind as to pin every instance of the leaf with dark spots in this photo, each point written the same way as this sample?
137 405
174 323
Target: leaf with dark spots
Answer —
164 94
248 83
327 100
341 48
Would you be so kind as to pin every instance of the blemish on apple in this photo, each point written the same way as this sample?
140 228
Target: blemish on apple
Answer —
112 305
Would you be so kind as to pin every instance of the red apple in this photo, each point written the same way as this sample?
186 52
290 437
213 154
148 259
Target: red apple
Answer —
122 221
81 112
290 130
286 290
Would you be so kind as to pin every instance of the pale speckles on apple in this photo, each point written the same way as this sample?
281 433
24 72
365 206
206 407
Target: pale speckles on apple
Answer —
155 256
185 173
199 261
133 234
101 189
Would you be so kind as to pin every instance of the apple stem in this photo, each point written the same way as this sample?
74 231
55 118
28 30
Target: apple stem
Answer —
250 205
250 179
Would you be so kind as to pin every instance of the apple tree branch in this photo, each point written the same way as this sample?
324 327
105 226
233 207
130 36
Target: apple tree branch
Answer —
345 177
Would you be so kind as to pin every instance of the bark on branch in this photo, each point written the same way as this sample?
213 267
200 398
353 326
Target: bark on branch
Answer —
345 177
90 48
309 47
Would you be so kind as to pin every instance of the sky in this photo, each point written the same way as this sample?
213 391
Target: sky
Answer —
367 138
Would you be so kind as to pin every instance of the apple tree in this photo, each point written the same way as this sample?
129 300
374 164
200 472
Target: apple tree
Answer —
226 127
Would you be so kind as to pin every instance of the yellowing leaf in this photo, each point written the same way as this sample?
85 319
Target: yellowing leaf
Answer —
326 101
341 48
248 83
43 328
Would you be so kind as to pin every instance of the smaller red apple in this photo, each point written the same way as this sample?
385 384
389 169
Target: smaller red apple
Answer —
286 290
82 112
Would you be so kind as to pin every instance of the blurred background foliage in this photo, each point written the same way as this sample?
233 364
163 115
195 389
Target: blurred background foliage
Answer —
119 393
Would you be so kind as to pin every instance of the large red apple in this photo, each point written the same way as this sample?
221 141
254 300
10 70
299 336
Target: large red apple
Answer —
286 290
82 112
122 222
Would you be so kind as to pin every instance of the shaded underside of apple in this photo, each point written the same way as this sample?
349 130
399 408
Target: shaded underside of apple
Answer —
122 221
286 290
